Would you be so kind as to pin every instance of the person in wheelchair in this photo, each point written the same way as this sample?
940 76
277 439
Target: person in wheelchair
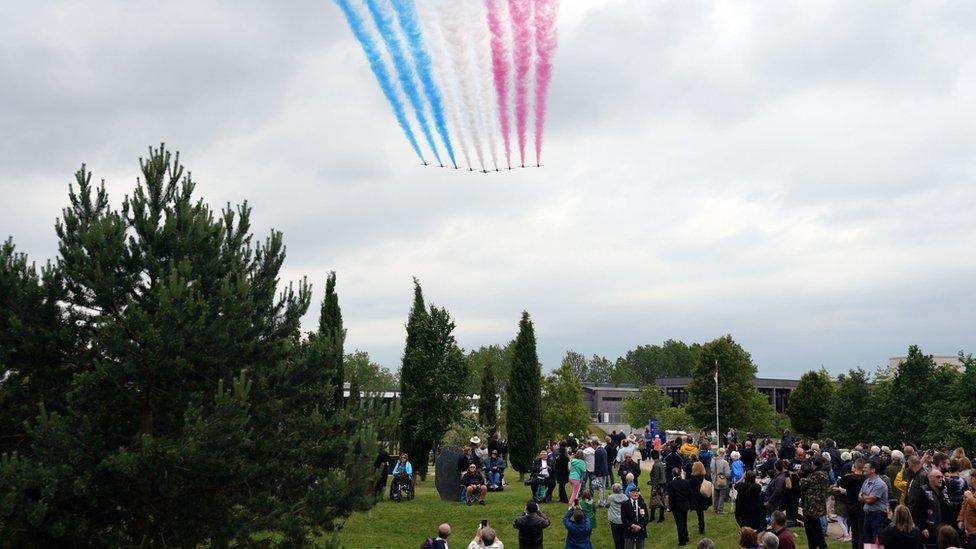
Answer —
402 478
495 471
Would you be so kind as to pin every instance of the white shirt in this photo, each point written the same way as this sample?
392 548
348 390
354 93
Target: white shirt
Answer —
589 456
475 544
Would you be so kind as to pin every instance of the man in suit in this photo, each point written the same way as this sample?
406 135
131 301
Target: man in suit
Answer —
678 500
634 516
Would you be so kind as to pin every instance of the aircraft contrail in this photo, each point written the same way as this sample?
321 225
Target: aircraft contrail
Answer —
521 14
545 46
483 77
458 50
500 66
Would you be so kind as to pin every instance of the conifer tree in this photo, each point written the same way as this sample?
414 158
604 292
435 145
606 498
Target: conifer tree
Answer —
432 391
330 328
524 399
488 403
180 405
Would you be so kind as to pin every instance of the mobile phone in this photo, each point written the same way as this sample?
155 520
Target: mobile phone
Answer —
484 523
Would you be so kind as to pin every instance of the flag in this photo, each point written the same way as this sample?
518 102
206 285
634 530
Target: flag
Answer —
715 371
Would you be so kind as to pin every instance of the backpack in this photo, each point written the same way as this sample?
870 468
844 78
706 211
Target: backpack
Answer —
427 544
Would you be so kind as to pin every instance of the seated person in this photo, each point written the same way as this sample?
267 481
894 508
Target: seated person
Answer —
495 469
542 477
474 484
402 474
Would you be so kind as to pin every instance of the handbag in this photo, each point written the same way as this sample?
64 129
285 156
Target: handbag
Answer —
721 481
656 501
706 488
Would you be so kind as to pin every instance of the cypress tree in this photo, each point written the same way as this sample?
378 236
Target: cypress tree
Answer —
330 328
524 398
488 404
354 401
412 384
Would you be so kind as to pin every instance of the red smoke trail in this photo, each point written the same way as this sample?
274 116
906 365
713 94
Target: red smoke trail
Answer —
521 13
545 46
500 68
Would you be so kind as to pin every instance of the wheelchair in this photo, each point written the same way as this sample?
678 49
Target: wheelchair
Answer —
402 487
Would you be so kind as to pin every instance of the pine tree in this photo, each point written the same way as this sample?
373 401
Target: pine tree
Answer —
330 328
190 412
413 385
354 401
809 402
488 403
524 399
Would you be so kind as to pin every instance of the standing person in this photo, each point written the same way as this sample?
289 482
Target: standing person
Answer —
705 454
947 538
577 529
737 467
630 466
601 471
815 488
586 504
658 483
678 501
849 487
611 449
577 476
530 525
931 508
721 479
783 534
749 503
572 443
902 533
699 501
874 497
892 471
589 458
967 515
634 515
562 474
777 488
748 455
672 460
613 515
381 470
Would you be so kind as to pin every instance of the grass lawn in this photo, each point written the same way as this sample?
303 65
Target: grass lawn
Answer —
405 525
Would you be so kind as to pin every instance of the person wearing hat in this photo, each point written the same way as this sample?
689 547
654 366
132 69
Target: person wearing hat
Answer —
634 516
572 443
530 525
475 444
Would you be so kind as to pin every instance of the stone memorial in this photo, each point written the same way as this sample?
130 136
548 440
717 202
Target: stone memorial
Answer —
446 475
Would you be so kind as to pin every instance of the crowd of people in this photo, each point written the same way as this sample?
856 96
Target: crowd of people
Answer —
897 498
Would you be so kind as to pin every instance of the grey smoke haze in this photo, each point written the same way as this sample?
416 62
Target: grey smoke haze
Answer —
797 174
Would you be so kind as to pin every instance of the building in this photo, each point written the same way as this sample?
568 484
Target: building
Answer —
895 361
604 400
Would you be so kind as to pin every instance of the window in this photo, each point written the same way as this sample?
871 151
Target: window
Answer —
611 399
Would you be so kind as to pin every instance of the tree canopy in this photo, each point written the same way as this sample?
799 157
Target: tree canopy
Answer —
523 396
648 404
563 411
809 402
735 387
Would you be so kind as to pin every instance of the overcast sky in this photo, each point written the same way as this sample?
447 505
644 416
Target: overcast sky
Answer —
797 174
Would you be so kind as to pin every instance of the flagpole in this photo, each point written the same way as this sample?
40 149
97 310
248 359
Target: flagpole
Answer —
718 434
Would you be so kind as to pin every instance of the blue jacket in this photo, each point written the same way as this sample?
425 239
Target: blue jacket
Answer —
577 533
408 469
738 470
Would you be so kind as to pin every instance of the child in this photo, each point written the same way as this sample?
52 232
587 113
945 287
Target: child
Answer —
589 508
630 484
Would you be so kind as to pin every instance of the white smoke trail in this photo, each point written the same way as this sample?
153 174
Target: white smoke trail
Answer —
444 73
476 18
458 50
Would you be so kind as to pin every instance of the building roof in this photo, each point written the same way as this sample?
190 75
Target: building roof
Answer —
759 383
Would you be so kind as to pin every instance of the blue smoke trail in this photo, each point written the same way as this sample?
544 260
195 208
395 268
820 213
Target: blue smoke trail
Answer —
410 23
384 24
379 69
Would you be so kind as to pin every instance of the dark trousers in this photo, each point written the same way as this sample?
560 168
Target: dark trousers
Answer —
873 521
681 523
653 511
815 535
856 522
617 531
701 520
563 496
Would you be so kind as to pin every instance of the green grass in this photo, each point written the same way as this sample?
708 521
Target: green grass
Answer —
407 524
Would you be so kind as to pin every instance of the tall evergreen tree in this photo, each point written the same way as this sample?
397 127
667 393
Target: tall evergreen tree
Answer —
330 328
431 389
189 412
809 402
488 402
524 399
735 387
